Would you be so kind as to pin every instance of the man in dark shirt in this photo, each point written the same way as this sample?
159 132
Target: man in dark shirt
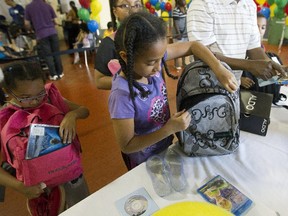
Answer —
43 18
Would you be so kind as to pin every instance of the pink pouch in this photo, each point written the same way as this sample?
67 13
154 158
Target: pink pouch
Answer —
54 168
114 66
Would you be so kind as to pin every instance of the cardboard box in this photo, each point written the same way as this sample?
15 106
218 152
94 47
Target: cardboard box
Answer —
255 110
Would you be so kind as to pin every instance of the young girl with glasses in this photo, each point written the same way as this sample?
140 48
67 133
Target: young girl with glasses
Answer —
138 102
25 91
105 64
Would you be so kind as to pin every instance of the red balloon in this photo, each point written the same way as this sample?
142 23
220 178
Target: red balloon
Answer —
152 10
168 6
286 9
258 8
148 5
85 3
266 4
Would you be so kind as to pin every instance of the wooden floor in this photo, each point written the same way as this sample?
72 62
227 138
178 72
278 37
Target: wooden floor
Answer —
101 155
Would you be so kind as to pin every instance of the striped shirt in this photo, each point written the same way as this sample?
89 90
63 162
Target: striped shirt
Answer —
180 20
232 25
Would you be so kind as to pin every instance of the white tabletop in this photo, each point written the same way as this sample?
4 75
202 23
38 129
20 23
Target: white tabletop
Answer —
259 169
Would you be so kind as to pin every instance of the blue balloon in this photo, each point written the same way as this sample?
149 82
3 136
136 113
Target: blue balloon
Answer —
265 11
92 26
162 5
153 2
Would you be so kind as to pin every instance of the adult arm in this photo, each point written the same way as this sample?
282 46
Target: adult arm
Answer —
105 53
258 63
102 81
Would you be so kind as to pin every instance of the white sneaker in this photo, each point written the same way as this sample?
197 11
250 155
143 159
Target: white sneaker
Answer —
61 75
55 77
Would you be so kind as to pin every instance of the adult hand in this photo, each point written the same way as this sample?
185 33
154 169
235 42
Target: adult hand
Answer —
246 82
265 69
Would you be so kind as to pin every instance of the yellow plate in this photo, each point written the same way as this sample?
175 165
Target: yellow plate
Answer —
192 209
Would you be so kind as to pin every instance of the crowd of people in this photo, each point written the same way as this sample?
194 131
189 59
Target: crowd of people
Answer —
129 62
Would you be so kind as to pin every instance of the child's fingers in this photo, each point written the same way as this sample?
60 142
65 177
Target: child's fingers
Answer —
179 113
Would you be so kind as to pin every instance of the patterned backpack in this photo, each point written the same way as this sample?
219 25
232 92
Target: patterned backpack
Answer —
214 127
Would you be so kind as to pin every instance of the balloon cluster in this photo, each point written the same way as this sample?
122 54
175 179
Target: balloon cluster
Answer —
92 20
272 8
164 7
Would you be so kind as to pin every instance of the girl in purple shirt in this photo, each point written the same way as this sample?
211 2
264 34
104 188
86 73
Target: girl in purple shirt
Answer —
138 101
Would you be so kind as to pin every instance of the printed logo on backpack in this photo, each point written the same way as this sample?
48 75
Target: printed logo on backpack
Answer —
214 127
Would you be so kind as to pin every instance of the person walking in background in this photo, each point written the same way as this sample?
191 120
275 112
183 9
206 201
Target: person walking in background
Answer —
180 29
43 18
72 24
26 93
109 30
106 63
229 29
138 102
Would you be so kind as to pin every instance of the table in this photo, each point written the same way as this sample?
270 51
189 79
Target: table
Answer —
259 169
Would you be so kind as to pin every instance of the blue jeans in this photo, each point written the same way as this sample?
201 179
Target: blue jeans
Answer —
47 46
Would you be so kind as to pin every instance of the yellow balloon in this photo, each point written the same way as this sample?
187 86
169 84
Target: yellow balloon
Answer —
272 9
96 7
165 16
95 17
286 21
192 209
145 1
188 1
261 2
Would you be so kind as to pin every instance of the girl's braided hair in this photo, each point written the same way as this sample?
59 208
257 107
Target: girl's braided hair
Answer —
134 36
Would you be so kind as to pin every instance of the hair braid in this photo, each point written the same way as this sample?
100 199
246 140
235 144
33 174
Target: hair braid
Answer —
167 70
135 34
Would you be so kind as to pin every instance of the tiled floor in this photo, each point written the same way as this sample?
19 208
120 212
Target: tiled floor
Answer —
101 155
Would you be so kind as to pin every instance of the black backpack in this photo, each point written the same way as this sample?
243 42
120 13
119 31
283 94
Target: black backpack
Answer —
214 128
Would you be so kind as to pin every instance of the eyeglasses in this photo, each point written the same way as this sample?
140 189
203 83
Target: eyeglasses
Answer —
129 7
28 100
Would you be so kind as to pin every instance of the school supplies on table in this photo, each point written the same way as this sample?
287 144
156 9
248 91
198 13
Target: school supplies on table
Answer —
222 193
43 139
138 202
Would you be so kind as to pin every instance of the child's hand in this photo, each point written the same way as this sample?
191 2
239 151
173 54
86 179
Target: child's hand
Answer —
32 191
67 128
247 82
179 121
227 79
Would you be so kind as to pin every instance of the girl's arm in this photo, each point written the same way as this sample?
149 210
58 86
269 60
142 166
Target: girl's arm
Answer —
129 142
182 49
10 181
67 129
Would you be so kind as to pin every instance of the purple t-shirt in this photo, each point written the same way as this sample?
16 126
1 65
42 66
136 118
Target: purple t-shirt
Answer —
41 16
150 114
